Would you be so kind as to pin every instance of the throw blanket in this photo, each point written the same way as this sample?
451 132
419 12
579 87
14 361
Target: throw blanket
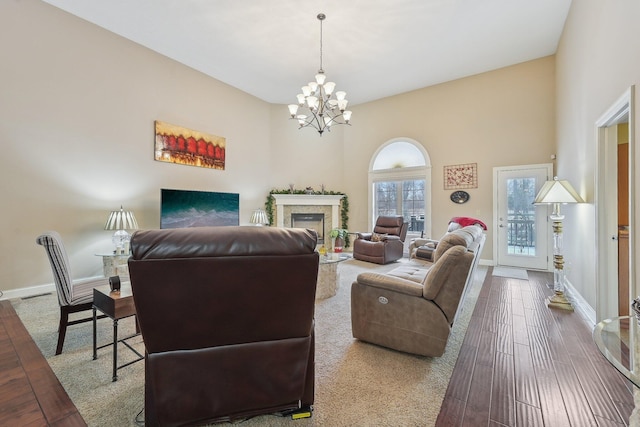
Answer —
465 220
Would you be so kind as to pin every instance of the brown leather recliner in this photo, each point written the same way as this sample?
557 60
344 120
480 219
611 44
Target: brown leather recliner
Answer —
385 244
226 314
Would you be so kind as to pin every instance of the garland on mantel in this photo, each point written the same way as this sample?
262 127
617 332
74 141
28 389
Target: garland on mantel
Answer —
344 206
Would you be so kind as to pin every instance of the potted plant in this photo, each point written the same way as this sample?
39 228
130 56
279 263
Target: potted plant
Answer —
338 235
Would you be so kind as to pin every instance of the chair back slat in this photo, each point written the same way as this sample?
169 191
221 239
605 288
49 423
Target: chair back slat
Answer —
52 243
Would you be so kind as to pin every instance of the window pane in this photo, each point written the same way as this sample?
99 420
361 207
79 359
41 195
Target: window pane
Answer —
521 232
404 198
386 198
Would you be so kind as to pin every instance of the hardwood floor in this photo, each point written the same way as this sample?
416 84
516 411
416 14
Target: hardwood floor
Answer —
30 393
524 364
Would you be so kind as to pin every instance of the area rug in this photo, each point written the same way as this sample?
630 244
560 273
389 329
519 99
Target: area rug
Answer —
510 272
357 384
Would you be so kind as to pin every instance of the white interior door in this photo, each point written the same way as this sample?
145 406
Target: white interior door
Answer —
522 233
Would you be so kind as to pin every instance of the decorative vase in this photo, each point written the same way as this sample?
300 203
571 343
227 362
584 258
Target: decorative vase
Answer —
337 244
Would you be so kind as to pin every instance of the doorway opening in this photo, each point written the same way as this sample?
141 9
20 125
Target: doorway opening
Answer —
614 199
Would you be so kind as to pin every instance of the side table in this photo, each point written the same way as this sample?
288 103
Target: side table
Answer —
116 305
115 265
328 277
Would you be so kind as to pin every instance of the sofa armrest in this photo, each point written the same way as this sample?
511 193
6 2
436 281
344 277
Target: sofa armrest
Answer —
391 283
420 241
365 236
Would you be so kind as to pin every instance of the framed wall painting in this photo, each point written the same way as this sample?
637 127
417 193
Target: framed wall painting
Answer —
175 144
461 176
188 208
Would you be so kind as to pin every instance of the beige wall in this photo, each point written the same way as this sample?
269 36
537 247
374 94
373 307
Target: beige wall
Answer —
597 61
77 110
500 118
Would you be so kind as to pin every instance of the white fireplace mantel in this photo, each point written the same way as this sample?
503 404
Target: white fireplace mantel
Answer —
332 200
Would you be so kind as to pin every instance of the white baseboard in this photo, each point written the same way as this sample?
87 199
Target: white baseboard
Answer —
28 291
580 305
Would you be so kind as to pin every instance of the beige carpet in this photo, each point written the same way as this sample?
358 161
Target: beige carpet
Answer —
357 384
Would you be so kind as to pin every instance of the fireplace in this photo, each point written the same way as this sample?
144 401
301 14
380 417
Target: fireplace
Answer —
306 204
313 221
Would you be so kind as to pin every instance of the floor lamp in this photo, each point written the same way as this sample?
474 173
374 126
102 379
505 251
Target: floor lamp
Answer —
558 192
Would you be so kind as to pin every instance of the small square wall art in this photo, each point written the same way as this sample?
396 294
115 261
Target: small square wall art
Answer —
461 176
175 144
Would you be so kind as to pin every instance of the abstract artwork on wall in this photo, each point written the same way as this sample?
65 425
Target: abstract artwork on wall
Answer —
188 208
175 144
461 176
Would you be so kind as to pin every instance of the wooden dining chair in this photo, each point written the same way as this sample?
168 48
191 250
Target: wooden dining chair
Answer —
73 295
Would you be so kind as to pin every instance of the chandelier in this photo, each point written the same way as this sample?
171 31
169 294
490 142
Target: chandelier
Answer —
318 108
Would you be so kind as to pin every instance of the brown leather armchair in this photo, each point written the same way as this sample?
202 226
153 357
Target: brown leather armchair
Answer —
385 244
226 314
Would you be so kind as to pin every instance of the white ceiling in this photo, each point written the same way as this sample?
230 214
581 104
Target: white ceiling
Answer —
371 48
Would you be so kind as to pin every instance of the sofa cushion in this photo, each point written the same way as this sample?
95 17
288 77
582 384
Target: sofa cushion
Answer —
449 240
446 280
413 271
461 237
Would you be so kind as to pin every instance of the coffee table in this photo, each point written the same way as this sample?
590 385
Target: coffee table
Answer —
618 341
116 305
328 276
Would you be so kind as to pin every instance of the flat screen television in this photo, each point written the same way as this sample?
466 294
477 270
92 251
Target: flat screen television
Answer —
187 208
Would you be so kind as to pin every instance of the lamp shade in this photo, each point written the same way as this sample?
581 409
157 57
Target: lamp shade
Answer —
121 220
259 217
557 191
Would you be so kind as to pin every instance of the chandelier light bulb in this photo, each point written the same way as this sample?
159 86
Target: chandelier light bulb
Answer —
329 87
312 102
322 110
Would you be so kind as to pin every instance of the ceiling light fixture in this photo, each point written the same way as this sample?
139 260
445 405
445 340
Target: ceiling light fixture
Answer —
319 109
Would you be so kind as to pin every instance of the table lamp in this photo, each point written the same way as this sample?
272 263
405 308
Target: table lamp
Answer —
259 217
558 192
121 221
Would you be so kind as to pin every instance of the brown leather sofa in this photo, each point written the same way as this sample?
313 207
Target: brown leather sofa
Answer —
226 314
413 307
385 244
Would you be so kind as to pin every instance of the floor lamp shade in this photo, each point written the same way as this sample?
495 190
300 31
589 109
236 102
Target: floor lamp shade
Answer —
556 193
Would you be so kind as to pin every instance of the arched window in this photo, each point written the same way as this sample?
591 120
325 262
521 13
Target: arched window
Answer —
400 184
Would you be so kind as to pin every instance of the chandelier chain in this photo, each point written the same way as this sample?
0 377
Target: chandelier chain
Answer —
321 18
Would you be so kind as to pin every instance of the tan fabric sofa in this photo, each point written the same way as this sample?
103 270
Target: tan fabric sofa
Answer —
413 307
